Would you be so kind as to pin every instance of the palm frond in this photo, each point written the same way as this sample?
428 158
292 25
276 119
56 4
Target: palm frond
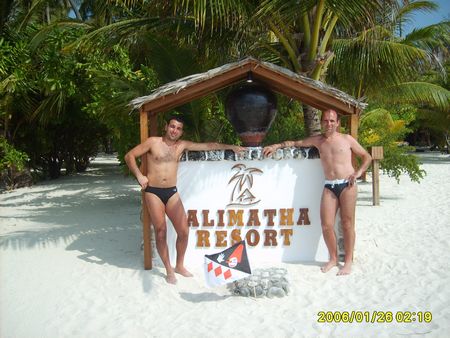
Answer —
43 33
49 108
406 12
34 7
217 14
125 3
419 93
117 31
374 62
352 12
288 10
430 37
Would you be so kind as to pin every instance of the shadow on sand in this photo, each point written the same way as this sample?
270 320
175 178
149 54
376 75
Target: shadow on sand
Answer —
433 157
202 297
95 213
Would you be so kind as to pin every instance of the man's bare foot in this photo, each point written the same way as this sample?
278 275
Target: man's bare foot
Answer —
171 279
345 270
182 271
328 266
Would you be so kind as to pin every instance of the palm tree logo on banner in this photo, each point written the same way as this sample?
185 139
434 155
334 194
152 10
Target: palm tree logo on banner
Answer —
243 178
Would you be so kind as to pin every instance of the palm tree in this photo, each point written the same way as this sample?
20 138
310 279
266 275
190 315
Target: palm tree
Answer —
376 57
295 34
23 12
389 69
356 37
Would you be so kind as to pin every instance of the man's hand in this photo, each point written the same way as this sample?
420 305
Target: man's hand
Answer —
238 149
352 178
143 181
269 150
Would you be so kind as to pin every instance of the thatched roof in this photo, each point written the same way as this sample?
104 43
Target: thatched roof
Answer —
279 79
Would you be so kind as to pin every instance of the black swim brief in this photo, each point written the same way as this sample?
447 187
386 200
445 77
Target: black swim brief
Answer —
164 194
336 186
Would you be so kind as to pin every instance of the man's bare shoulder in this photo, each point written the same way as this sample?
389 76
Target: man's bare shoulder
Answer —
183 142
349 138
313 140
154 140
316 137
183 145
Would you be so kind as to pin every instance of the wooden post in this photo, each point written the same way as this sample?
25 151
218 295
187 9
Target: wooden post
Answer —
146 233
354 121
377 155
353 126
153 125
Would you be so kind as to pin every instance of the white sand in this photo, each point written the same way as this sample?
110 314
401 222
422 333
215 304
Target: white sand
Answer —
71 266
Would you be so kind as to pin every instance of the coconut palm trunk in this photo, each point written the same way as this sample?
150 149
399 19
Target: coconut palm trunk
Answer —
311 120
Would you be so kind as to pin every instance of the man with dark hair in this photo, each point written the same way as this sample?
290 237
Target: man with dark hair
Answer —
178 118
161 196
339 191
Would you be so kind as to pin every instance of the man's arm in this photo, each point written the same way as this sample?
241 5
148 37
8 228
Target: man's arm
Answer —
193 146
130 159
307 142
359 151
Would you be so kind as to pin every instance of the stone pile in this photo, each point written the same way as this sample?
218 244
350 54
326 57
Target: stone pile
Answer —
270 282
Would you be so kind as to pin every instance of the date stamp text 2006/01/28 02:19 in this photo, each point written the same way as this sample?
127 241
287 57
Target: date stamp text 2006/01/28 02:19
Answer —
374 317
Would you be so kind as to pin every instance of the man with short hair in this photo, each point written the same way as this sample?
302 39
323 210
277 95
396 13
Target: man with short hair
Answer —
340 190
161 196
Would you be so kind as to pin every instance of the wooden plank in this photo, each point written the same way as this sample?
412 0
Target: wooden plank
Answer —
313 101
354 124
146 233
153 124
376 182
273 80
302 92
143 123
197 90
377 153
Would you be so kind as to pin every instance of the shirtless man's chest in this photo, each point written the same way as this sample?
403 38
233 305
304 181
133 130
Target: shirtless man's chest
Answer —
335 155
163 163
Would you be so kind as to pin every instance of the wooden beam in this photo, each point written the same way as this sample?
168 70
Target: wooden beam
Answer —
314 100
197 90
354 124
377 155
278 82
302 92
153 125
143 122
146 233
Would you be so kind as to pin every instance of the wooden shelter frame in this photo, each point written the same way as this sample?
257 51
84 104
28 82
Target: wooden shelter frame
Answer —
276 78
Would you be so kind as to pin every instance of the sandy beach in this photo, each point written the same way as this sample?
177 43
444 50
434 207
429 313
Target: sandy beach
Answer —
71 266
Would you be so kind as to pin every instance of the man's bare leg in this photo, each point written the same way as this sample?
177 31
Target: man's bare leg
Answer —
347 202
328 209
157 214
177 215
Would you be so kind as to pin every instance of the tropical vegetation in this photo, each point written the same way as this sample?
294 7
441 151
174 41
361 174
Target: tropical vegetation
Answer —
68 70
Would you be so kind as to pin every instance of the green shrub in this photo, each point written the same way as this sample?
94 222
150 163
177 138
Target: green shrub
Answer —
13 162
378 128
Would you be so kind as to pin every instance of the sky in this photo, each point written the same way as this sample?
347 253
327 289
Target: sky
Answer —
425 18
